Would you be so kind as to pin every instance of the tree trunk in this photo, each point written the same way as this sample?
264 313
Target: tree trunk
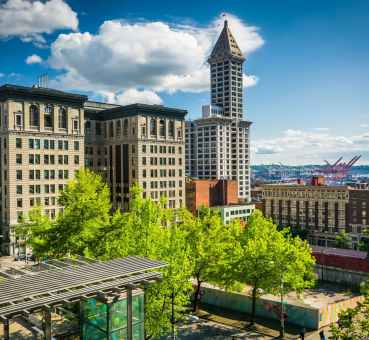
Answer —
197 296
253 310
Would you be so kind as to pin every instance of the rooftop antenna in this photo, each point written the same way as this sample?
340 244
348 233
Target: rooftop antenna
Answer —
43 80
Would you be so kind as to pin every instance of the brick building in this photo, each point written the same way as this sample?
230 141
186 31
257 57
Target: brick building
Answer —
210 193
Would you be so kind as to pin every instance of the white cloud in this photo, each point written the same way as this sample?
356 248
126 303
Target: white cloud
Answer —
29 20
301 147
132 96
364 126
33 59
154 56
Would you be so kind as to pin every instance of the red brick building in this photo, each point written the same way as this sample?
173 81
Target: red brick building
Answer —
210 193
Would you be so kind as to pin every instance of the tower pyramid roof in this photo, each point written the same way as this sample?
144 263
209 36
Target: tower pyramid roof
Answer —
226 45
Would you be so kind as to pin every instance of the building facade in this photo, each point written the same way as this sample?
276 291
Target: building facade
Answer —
47 135
210 193
41 146
141 144
217 145
323 211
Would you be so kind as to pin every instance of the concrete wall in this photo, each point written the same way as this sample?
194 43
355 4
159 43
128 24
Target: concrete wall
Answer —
297 315
347 277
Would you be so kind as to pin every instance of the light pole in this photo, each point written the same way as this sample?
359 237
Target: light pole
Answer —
281 332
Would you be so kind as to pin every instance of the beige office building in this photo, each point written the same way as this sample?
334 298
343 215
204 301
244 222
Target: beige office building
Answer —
41 146
138 143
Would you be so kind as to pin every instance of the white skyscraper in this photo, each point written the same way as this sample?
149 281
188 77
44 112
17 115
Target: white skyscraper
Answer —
217 145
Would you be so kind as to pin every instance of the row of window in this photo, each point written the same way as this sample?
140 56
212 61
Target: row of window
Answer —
162 161
36 201
48 174
34 118
35 143
48 159
162 173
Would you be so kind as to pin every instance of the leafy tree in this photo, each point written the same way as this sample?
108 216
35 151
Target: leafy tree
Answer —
255 265
343 240
213 249
293 267
35 231
148 229
353 323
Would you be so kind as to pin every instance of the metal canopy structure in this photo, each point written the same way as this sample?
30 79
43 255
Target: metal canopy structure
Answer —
68 280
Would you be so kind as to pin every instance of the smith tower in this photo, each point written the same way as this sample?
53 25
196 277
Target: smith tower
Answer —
217 145
226 62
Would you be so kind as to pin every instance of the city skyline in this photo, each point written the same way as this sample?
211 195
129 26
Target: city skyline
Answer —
306 64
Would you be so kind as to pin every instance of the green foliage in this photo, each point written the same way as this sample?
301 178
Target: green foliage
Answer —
273 261
354 322
343 240
213 249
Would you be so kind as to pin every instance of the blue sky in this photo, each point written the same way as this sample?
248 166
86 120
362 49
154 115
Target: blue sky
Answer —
307 61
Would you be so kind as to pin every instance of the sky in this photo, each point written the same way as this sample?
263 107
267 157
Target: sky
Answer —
306 76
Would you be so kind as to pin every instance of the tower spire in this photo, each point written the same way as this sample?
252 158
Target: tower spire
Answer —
226 46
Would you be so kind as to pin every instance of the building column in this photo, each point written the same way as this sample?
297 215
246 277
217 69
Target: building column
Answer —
129 314
6 325
47 323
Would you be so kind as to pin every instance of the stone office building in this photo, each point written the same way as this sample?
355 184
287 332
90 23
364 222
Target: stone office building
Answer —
138 143
46 135
41 146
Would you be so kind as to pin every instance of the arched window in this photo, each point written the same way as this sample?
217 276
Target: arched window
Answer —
162 128
153 127
171 129
34 116
63 118
125 127
49 116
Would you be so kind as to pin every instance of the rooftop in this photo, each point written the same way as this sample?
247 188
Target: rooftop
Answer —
136 109
9 91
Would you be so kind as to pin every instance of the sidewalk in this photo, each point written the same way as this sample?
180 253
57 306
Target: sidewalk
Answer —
268 329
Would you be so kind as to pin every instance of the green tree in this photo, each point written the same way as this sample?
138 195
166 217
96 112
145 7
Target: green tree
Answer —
343 240
35 231
353 323
293 268
255 265
150 230
214 247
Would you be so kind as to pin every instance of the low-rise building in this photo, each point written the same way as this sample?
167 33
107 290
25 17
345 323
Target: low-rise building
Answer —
323 211
210 193
241 212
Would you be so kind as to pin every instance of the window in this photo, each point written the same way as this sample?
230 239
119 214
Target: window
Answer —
18 158
111 129
98 128
46 144
31 159
19 203
118 128
63 118
75 125
162 128
19 190
37 144
19 175
31 144
52 144
65 159
152 127
18 119
60 159
171 129
34 116
49 116
18 143
125 127
76 159
60 144
66 146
